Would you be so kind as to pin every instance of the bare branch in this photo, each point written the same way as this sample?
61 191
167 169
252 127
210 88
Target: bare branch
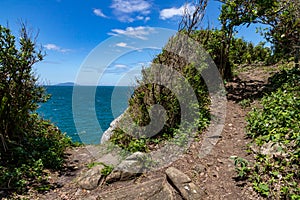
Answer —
192 16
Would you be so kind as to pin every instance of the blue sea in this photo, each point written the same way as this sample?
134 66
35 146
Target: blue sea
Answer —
86 112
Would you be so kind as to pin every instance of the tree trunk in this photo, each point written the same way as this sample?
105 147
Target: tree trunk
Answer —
225 68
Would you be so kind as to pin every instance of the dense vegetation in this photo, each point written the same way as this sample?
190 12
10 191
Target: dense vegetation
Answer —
149 92
275 131
281 18
240 52
29 144
275 127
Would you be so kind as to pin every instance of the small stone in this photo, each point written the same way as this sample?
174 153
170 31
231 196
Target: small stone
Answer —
209 164
187 189
199 168
78 192
177 176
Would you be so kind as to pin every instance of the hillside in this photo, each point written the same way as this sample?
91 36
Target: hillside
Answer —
66 84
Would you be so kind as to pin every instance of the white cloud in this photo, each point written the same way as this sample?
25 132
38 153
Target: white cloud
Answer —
122 44
125 18
140 32
54 47
120 66
99 13
143 18
130 6
173 12
147 19
140 17
131 10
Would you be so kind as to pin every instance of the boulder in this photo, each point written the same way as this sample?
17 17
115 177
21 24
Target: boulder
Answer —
150 190
113 125
129 168
133 163
188 190
118 175
91 179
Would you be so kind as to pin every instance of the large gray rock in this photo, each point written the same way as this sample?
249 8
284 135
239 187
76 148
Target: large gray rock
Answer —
129 168
183 183
133 163
151 190
91 179
118 175
113 125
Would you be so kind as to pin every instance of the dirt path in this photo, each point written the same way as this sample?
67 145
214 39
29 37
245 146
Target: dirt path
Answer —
215 173
218 177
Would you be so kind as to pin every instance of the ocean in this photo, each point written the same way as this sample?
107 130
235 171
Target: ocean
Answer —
107 103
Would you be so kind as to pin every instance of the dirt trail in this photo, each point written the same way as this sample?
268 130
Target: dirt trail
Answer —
218 178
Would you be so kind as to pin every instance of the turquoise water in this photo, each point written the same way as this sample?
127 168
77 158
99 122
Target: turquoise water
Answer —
108 102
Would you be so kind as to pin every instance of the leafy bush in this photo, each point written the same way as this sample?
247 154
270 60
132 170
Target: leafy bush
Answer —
275 129
149 92
19 93
29 144
240 52
23 165
128 142
287 78
245 103
280 109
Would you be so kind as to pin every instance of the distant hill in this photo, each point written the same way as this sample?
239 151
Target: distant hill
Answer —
66 84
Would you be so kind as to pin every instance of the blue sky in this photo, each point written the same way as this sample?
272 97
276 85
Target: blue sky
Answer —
69 30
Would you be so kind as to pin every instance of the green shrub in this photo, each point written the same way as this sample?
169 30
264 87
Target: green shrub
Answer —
127 142
149 92
24 164
241 51
29 144
276 127
241 167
